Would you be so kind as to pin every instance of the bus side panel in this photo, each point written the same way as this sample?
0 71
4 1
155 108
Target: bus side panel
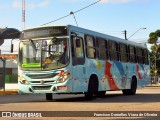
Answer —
97 67
118 75
143 74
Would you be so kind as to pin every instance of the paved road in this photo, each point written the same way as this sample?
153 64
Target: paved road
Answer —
147 99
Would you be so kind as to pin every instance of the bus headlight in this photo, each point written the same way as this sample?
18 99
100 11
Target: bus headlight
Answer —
23 80
64 77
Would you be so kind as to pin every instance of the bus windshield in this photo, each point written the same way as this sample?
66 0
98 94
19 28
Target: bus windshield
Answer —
43 54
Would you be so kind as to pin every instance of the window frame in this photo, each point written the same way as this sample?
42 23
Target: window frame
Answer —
102 48
123 52
77 60
139 55
113 49
132 57
87 47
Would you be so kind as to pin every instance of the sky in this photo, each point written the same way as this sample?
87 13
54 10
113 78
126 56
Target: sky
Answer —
111 17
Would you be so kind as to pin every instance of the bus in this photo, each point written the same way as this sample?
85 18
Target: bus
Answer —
71 60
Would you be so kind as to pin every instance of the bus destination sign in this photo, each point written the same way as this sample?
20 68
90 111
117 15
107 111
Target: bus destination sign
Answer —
44 32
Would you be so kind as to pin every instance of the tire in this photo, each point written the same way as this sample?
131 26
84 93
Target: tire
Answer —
92 87
101 93
133 89
133 86
89 94
49 96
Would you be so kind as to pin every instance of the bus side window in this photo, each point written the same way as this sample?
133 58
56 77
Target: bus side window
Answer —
132 54
139 54
77 51
145 57
90 46
101 49
123 52
113 50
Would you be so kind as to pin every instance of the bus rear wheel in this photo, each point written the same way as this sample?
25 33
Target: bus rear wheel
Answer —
133 86
133 89
49 96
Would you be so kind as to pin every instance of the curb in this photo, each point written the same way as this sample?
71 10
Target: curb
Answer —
153 85
8 92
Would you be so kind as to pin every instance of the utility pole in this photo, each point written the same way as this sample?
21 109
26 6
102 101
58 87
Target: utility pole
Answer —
23 14
125 34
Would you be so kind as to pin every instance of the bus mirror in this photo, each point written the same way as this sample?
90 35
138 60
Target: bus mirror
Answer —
78 42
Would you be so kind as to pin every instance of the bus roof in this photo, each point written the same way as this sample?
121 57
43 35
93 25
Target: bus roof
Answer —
105 36
94 33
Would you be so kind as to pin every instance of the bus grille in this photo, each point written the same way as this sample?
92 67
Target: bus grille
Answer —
41 76
38 82
41 87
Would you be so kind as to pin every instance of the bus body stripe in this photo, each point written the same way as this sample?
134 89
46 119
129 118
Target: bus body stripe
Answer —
108 74
120 68
138 72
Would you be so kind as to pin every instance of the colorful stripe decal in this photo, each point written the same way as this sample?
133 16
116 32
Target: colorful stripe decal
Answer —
61 73
120 68
108 75
138 72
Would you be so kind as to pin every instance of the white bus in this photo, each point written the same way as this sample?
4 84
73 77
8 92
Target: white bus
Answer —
69 59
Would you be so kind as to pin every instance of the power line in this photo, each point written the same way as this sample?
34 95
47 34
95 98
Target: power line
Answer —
87 6
72 13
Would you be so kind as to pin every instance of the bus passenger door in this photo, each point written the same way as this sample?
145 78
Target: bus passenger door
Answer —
78 61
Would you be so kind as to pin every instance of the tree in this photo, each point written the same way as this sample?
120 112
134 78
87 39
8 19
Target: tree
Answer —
155 54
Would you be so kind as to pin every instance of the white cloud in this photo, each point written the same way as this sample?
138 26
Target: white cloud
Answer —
16 4
30 5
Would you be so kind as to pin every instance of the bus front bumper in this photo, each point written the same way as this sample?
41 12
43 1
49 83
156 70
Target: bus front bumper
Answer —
60 88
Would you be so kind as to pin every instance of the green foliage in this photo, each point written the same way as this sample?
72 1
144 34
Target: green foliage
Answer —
152 70
153 37
153 48
157 33
155 54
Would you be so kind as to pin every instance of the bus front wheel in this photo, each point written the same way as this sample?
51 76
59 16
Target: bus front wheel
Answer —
49 96
92 87
89 93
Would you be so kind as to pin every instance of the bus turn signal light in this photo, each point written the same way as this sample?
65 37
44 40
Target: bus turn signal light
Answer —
62 87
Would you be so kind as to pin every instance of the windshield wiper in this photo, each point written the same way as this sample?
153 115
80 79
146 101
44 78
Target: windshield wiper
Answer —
32 44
